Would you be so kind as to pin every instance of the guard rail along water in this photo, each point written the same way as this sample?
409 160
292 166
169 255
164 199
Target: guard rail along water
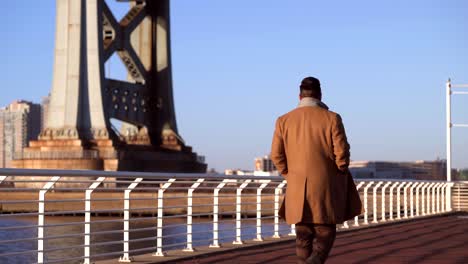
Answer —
69 216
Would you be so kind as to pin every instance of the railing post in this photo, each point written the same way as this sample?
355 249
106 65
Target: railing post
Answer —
433 198
442 202
391 199
442 197
238 240
278 190
292 231
439 186
405 199
374 201
383 201
413 185
259 210
356 218
448 197
423 198
87 231
418 187
216 213
345 224
126 247
159 251
428 199
194 186
399 200
366 211
41 218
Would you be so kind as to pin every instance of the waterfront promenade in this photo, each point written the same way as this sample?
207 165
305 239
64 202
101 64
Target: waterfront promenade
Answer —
441 239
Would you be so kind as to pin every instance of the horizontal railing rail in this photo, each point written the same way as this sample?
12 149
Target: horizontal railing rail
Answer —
70 216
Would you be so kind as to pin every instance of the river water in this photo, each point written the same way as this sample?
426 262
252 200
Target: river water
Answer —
174 230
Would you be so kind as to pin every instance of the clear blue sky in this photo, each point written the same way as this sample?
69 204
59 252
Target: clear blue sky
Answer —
237 66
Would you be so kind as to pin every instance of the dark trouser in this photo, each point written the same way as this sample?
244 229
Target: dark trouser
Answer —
310 251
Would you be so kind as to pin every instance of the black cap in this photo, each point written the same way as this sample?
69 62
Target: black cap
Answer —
310 83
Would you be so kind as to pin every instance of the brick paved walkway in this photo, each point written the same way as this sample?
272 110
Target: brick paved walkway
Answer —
433 240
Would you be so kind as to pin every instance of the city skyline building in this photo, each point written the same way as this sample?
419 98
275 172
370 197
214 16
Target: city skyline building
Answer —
20 122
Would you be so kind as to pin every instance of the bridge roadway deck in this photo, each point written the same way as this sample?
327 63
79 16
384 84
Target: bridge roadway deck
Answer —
442 239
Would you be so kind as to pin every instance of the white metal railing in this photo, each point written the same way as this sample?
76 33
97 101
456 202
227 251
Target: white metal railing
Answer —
66 216
460 196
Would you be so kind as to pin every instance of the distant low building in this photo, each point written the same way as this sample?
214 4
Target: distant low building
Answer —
264 167
417 170
237 172
461 175
20 122
264 164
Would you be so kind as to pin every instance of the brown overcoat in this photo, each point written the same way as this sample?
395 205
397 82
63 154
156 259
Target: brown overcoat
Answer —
311 151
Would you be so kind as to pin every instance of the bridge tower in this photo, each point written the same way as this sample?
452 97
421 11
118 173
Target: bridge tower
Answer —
78 133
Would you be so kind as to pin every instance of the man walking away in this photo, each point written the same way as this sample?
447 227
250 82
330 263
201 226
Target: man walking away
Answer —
311 152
